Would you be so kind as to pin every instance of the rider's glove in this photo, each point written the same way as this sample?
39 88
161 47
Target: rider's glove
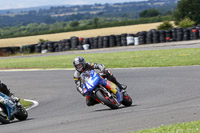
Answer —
81 91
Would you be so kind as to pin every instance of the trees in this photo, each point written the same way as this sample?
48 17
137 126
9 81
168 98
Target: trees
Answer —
166 25
74 24
149 13
186 23
95 21
188 9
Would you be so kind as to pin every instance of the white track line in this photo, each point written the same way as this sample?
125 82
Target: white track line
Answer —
35 104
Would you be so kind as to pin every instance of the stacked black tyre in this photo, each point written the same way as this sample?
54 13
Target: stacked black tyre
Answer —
112 41
179 34
198 28
168 36
194 33
94 45
50 47
61 46
186 34
80 44
74 42
155 34
91 42
106 41
142 37
44 47
162 36
38 48
67 44
149 37
174 34
118 40
123 39
100 42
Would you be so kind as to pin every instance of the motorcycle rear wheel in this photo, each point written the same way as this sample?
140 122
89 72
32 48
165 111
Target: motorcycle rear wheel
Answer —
110 102
3 115
4 120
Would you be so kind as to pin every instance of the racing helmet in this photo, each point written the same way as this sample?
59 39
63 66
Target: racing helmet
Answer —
79 63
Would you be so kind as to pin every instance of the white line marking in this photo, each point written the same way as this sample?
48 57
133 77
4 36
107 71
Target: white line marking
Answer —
35 104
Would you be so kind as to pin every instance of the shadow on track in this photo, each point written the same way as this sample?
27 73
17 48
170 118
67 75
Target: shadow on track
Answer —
109 109
17 121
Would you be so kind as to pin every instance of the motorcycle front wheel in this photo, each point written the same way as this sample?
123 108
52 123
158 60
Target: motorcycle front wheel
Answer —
22 114
127 101
109 101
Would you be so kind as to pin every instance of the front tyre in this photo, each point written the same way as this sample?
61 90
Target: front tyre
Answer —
109 101
22 114
127 101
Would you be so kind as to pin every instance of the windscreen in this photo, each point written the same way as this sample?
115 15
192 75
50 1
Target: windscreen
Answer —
85 76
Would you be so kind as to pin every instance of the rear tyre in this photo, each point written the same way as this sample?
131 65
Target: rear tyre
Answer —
22 114
110 102
3 116
4 120
127 101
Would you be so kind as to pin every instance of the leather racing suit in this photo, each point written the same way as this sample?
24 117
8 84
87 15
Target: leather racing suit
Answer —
91 66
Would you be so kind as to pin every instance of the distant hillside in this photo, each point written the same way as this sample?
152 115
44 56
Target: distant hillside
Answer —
20 10
54 14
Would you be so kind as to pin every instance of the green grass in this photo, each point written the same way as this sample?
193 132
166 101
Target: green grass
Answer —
191 127
153 58
25 104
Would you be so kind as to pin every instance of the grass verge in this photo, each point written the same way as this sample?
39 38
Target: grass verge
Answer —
191 127
25 104
153 58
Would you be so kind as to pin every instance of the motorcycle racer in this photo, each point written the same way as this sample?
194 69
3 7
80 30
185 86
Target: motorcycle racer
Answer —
4 89
81 66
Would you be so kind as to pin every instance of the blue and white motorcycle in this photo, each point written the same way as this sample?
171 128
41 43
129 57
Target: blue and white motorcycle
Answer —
103 91
9 110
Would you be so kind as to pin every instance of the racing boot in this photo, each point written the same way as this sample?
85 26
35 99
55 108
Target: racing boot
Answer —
121 87
111 77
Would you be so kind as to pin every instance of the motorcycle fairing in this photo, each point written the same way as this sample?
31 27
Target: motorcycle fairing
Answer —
9 105
95 80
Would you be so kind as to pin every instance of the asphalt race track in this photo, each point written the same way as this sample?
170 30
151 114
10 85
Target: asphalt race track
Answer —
161 96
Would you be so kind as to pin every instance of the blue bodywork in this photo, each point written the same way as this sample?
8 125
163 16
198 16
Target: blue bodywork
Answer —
91 80
9 105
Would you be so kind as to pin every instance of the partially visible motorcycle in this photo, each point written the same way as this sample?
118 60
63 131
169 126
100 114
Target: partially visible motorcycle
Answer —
103 90
9 110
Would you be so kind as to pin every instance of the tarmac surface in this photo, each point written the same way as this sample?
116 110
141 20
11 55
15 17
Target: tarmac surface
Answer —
161 96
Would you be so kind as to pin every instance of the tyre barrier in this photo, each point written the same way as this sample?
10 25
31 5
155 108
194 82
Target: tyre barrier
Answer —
76 43
27 49
130 39
6 51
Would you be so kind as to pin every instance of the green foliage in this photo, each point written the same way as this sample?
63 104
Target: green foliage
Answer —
42 40
186 23
149 13
188 9
191 127
74 24
166 25
39 29
96 21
